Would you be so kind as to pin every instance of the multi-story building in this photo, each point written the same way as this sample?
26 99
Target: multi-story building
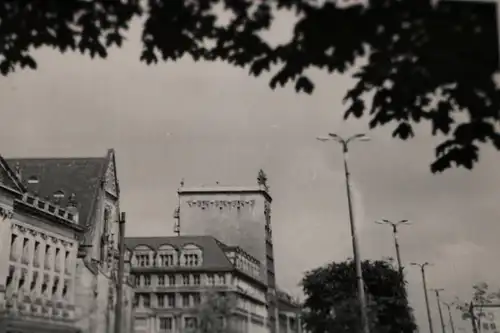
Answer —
174 274
240 215
38 250
235 215
90 187
289 311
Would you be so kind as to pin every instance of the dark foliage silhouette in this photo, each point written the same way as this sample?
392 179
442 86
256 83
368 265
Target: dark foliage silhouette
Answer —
331 303
413 51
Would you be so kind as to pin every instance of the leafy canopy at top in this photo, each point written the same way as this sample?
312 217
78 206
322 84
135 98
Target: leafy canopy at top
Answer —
413 50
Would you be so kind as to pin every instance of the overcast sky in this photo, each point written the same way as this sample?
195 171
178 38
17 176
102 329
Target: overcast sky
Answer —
209 122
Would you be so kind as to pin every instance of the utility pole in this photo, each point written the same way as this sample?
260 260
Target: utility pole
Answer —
448 305
395 235
121 264
355 245
437 291
472 317
424 282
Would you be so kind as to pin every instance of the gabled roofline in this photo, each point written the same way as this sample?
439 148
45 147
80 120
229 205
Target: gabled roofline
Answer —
90 215
13 176
110 157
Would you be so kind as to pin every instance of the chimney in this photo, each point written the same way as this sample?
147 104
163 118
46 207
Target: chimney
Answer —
72 207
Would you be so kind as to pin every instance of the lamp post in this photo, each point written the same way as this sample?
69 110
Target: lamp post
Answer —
424 282
121 268
452 325
395 226
359 275
437 291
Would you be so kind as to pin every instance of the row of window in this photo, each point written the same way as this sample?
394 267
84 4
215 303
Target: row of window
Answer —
54 258
168 300
145 280
489 326
166 260
166 324
37 283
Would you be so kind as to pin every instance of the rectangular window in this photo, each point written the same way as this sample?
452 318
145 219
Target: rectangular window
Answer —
171 280
161 280
143 260
146 300
210 279
171 300
26 256
13 250
190 322
48 254
196 279
36 257
147 280
196 299
58 260
185 300
222 279
165 324
185 279
67 263
161 300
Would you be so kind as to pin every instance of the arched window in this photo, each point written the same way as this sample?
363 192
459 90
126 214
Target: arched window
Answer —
143 256
191 255
167 256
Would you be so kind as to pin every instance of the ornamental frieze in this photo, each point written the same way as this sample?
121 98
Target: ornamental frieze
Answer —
221 203
45 237
6 213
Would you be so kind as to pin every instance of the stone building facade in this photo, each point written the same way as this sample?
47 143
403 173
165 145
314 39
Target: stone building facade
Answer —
38 250
240 215
174 275
88 186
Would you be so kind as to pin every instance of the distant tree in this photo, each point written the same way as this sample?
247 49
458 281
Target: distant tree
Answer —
413 51
262 179
214 314
331 303
481 296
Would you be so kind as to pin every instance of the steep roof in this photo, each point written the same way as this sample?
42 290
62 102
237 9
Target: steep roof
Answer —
8 178
81 176
213 254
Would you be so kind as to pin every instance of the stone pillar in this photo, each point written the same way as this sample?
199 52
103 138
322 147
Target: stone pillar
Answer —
5 232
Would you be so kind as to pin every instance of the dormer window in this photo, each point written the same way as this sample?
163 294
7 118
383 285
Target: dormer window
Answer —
33 180
58 195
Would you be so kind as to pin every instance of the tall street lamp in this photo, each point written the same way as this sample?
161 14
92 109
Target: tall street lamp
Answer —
424 282
452 325
438 299
395 226
359 275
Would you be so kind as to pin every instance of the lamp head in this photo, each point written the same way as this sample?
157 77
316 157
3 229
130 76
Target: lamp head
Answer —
361 137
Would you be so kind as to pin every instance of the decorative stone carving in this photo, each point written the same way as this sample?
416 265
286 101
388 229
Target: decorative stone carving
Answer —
110 180
203 204
267 214
6 213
